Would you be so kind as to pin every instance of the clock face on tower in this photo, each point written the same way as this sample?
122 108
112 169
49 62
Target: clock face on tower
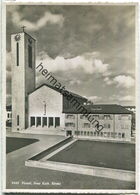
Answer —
17 37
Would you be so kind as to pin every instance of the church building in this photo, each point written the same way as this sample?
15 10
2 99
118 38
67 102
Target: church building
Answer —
47 110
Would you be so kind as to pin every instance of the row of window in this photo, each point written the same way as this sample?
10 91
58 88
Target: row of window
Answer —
89 125
44 121
71 116
124 126
101 134
100 117
86 125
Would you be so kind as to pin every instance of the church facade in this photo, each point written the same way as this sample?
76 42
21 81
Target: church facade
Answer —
48 110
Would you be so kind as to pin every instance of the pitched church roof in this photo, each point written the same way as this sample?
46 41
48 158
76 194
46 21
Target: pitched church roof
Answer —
59 90
93 109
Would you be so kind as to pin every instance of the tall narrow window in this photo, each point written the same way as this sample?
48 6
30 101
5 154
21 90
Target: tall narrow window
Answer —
29 56
57 121
38 121
44 121
17 54
50 121
17 119
32 121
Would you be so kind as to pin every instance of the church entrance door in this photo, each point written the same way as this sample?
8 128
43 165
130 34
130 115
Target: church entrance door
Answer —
69 133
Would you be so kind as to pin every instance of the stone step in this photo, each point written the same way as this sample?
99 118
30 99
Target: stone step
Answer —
44 131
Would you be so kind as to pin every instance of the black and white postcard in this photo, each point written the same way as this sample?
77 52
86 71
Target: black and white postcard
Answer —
70 97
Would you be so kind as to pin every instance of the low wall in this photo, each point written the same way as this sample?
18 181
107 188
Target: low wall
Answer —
104 139
58 150
50 150
85 170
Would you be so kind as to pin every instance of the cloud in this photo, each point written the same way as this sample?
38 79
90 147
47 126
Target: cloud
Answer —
121 98
108 81
121 81
124 81
75 82
127 98
94 98
47 18
87 62
100 67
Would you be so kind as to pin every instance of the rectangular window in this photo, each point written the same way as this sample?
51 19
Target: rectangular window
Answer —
70 116
113 134
107 126
86 125
101 117
119 135
17 54
108 134
57 121
123 117
44 121
96 116
124 126
83 117
38 121
91 133
75 133
101 134
107 117
32 121
17 119
123 135
70 124
29 56
105 134
50 121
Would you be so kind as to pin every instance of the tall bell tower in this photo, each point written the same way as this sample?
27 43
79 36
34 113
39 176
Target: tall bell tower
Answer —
23 77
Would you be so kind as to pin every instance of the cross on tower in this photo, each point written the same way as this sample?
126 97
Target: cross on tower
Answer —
23 28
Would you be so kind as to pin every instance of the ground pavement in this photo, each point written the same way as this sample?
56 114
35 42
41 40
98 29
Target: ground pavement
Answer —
21 177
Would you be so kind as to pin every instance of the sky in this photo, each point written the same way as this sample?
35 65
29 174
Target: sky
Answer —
90 49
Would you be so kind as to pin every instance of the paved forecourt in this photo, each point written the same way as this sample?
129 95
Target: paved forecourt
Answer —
100 159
